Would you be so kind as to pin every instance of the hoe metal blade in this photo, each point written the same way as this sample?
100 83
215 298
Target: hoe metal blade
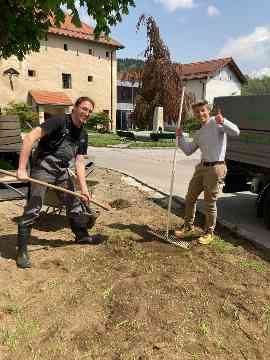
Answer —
171 239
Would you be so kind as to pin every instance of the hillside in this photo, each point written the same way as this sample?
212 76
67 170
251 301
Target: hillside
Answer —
128 63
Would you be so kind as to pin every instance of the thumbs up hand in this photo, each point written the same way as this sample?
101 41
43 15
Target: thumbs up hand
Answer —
219 118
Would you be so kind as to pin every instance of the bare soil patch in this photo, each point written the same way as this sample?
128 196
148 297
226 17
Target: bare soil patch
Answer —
132 296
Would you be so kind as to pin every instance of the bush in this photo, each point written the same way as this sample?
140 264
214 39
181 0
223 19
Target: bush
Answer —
24 113
99 120
162 136
191 125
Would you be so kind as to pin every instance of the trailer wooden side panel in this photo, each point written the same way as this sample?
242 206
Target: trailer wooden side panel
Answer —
252 115
10 134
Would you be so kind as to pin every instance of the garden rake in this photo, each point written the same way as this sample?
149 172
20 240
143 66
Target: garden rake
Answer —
165 235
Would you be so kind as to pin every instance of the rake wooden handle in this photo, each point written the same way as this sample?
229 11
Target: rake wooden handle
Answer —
58 188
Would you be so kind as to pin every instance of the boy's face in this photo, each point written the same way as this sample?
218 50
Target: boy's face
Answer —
202 113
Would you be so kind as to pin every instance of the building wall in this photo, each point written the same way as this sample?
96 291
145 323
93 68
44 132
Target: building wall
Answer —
225 83
53 60
196 87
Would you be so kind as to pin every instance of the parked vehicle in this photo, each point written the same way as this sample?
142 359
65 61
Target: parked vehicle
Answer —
10 139
248 156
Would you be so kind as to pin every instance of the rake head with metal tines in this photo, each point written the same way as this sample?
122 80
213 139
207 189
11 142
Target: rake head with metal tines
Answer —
171 239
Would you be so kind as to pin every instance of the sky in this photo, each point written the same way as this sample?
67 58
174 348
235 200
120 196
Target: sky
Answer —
199 30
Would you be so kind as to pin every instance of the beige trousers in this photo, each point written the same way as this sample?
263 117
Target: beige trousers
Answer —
210 180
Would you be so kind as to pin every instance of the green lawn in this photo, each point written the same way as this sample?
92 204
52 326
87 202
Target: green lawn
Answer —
152 144
102 140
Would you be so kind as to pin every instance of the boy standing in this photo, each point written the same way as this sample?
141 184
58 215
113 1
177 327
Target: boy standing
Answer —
210 173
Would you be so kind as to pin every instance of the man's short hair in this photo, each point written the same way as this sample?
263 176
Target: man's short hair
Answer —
82 99
200 103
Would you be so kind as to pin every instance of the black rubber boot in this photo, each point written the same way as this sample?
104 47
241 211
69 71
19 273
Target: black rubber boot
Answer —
22 258
78 226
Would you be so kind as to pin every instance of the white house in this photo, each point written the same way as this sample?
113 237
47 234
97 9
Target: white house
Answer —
205 79
212 78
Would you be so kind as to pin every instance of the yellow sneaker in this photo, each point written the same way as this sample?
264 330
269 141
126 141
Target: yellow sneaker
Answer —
206 239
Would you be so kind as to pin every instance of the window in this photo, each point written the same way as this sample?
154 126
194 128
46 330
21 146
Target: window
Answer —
91 52
107 54
66 80
31 73
65 47
90 78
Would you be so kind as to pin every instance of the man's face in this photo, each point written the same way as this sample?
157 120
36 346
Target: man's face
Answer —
202 113
82 113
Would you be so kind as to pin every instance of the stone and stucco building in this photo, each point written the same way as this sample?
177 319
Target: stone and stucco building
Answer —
70 63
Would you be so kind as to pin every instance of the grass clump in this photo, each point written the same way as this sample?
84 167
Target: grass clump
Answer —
203 328
253 265
221 245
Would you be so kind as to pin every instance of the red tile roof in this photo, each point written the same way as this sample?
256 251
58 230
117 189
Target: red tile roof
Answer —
50 97
203 69
85 32
197 70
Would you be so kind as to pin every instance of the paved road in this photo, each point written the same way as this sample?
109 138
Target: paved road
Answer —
154 166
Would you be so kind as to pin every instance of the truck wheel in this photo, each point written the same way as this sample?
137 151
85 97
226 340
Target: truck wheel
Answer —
266 210
234 183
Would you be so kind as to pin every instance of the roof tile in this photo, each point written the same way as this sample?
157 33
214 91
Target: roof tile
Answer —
43 97
84 32
203 69
196 70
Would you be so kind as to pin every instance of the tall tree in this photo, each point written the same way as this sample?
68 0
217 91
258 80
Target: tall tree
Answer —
23 23
161 82
257 86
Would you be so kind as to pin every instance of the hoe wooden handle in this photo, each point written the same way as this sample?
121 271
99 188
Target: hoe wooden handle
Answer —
57 188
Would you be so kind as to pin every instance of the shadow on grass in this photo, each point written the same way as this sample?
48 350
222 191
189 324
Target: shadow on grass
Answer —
144 231
8 244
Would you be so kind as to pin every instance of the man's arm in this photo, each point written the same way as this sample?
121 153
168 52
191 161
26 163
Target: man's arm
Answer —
28 142
187 147
226 126
80 171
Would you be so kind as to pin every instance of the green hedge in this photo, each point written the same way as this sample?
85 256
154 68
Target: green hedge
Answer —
191 125
100 120
160 136
24 112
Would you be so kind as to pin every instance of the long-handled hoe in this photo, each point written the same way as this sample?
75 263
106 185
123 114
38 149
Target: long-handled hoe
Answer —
165 235
58 188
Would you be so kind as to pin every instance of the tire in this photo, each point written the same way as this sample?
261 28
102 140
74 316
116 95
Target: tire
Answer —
235 183
266 210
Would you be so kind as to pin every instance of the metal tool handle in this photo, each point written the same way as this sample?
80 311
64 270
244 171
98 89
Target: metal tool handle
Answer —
174 163
58 188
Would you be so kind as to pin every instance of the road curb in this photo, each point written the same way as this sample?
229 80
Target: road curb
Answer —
226 224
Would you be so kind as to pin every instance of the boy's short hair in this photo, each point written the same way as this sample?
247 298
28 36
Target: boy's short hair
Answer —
200 103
